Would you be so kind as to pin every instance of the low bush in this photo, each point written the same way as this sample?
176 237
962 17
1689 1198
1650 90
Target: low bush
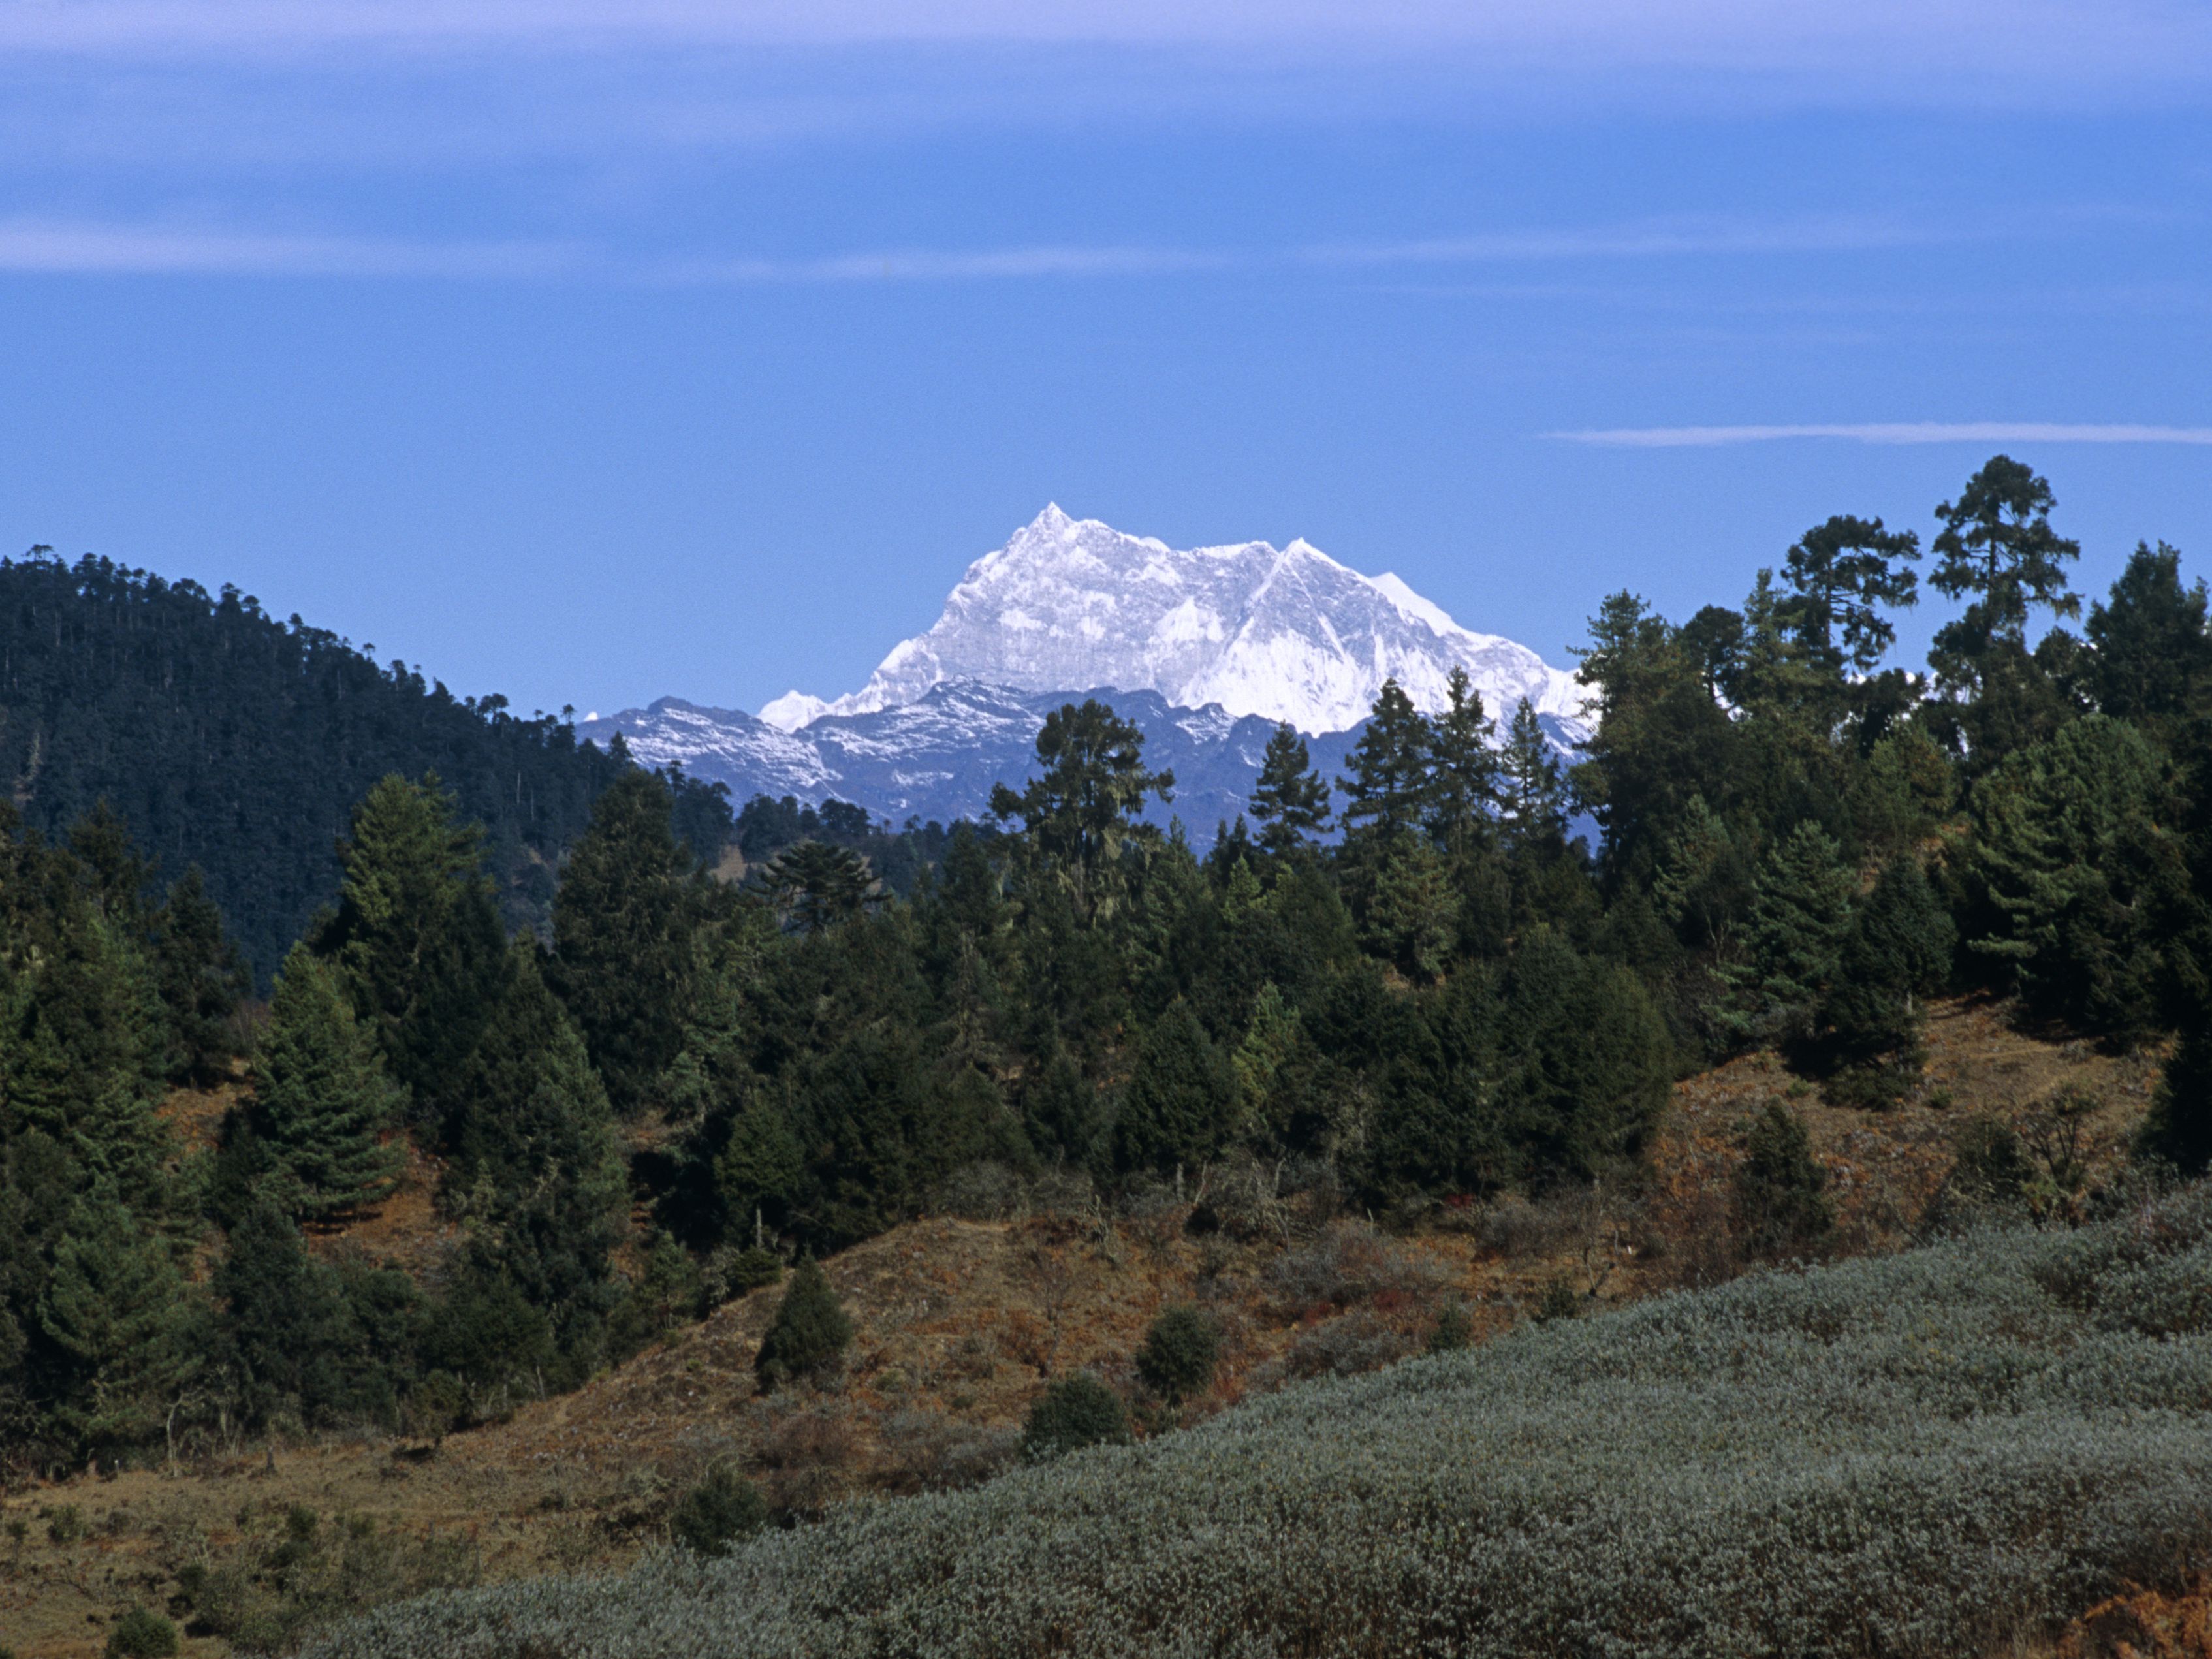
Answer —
141 1633
810 1331
1936 1453
716 1513
1079 1412
1180 1353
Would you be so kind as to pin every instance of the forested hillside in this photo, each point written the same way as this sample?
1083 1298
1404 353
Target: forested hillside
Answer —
1404 992
230 741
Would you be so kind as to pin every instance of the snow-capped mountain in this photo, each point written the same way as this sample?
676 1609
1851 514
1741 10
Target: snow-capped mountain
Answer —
1285 633
1208 648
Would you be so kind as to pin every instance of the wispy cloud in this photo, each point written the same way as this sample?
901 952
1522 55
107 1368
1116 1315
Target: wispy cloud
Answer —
1895 432
53 247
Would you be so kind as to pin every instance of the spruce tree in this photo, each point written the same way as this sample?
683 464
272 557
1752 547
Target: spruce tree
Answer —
809 1333
2154 645
116 1309
1801 915
1387 791
1900 948
1290 799
1410 919
321 1100
1183 1099
1781 1200
1532 795
622 924
1086 804
417 934
201 976
1462 771
281 1317
537 1168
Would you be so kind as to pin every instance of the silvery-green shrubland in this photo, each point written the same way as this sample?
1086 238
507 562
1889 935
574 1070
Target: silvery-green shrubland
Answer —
1928 1454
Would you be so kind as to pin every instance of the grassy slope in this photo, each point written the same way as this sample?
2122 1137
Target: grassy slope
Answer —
958 1321
1929 1452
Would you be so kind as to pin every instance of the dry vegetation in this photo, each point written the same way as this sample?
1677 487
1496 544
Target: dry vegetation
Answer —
961 1321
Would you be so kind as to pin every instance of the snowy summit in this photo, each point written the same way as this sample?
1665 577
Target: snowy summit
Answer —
1286 634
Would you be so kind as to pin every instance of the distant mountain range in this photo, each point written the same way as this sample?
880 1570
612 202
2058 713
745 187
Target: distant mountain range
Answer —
1204 649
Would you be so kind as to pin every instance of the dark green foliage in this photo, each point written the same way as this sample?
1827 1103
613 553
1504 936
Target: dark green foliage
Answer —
1387 789
1454 1330
304 1341
808 1334
666 1294
538 1168
229 740
1782 1206
723 1510
813 885
1182 1350
416 935
1182 1103
1290 799
1801 917
899 858
2084 876
116 1310
1532 796
1899 949
2154 647
1074 1412
1082 809
622 923
1842 573
201 975
141 1633
320 1099
1462 783
2180 1129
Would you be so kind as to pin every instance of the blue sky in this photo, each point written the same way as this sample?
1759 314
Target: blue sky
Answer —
590 353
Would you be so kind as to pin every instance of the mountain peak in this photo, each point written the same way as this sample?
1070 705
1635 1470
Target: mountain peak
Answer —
1286 634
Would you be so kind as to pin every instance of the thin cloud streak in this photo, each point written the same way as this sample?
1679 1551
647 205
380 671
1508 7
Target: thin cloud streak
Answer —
56 247
1900 431
52 248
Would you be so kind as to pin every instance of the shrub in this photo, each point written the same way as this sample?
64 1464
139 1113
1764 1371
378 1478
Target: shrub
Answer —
716 1513
142 1634
1782 1204
1454 1330
809 1333
1937 1452
730 1273
66 1524
1180 1352
1559 1300
1069 1415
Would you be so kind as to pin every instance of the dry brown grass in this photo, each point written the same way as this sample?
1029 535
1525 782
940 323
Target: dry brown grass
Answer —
961 1322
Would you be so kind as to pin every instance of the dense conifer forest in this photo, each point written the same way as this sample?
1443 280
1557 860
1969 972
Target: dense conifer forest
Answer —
1406 985
236 744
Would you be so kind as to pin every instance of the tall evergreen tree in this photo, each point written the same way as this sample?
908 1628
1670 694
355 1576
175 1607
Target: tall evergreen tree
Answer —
1532 794
2153 661
1084 806
1183 1099
813 885
1290 799
1387 791
1899 949
201 976
1802 913
116 1307
1462 771
417 934
321 1100
622 937
1842 573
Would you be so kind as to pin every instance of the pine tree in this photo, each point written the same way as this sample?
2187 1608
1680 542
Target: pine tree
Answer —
1532 796
1387 792
1182 1101
116 1307
1410 921
1900 948
2153 664
813 885
1462 771
1085 803
1842 571
1290 799
281 1314
1800 915
202 975
1782 1206
417 934
808 1334
622 939
321 1100
538 1168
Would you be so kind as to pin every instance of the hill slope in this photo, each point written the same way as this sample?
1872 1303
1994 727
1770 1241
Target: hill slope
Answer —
230 740
1923 1454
